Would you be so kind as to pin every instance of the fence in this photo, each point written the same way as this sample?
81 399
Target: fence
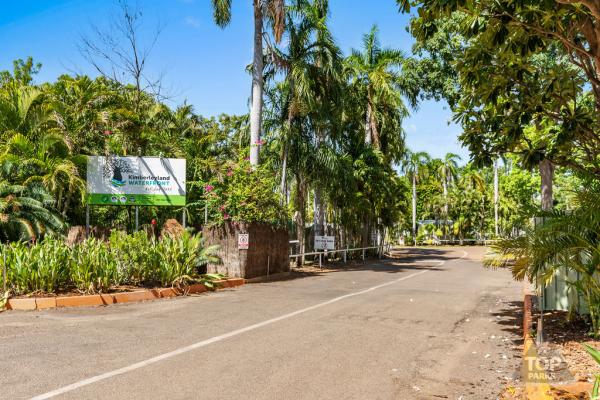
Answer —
484 242
380 251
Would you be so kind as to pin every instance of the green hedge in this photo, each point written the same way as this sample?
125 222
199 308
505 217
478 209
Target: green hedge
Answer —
94 266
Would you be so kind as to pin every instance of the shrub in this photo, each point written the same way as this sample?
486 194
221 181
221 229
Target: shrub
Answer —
243 194
94 266
40 268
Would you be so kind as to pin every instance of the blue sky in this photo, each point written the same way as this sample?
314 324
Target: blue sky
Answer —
202 63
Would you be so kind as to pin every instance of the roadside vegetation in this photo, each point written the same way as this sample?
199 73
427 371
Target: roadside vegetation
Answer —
322 149
96 266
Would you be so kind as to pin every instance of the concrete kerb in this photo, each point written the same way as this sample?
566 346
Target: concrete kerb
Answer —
40 303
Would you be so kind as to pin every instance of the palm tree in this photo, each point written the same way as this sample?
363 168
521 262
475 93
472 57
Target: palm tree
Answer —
447 172
47 163
376 74
274 10
25 214
311 64
414 167
564 239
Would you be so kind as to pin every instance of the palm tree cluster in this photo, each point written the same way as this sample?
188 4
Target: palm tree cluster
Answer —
329 132
47 130
329 129
458 202
334 127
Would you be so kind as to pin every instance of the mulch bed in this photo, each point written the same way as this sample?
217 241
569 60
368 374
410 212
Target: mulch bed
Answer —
567 337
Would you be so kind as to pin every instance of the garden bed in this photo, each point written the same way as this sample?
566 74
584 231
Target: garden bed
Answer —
567 339
114 297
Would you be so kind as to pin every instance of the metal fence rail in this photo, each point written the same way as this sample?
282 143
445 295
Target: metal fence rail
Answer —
380 250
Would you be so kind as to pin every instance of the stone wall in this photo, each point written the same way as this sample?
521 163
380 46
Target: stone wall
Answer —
268 248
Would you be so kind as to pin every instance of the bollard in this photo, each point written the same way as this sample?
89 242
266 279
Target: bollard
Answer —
363 254
345 255
320 263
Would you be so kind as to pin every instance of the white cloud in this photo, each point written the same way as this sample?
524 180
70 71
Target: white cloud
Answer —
192 21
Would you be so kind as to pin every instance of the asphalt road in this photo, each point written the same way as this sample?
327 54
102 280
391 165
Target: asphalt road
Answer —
430 324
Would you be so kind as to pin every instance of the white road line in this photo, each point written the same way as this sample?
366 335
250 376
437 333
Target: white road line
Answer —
203 343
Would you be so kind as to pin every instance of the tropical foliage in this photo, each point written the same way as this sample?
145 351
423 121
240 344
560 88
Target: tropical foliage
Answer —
94 266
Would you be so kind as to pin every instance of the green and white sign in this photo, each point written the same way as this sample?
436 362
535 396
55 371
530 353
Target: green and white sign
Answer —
136 181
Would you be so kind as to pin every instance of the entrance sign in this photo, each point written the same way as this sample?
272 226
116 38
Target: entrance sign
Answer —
136 181
324 242
243 241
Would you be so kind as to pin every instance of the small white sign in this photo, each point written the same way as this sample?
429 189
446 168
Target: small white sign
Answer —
325 243
243 241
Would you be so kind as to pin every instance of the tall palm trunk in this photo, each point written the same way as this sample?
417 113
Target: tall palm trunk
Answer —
414 207
547 175
283 175
319 204
319 213
496 227
257 84
300 217
368 136
445 186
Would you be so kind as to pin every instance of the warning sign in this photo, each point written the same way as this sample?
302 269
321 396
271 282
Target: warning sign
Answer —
243 241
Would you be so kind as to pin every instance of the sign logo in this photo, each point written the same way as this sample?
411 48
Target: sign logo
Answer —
114 169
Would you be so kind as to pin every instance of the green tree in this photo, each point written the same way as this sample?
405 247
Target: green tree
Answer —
414 167
275 11
377 79
447 173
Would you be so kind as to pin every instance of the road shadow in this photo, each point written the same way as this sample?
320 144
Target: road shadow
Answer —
391 265
511 320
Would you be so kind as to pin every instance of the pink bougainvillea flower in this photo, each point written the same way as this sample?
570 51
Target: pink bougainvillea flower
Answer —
260 142
107 132
209 188
222 208
229 173
225 216
153 222
247 159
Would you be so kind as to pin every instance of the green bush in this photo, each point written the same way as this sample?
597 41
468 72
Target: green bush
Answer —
240 193
39 268
94 266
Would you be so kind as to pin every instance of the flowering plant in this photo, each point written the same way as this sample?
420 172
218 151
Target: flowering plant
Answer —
240 193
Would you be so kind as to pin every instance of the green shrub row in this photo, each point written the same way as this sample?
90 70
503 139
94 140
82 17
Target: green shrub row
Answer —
94 266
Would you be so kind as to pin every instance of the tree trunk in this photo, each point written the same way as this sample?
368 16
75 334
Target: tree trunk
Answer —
366 232
547 175
283 176
319 213
414 207
445 186
319 204
300 218
368 137
496 198
257 84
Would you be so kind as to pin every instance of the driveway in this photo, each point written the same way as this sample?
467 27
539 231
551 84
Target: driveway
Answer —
428 324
